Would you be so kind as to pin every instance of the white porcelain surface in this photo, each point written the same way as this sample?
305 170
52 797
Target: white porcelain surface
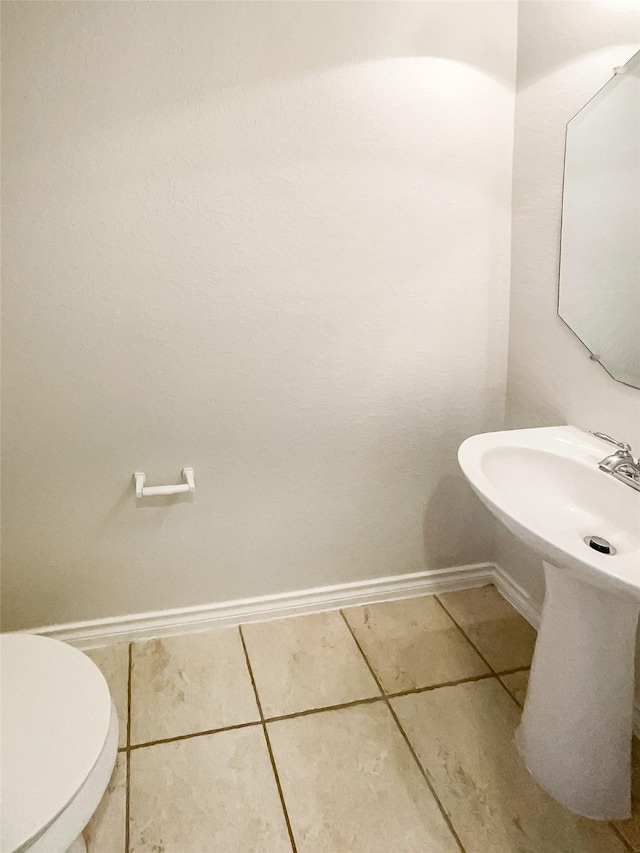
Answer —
113 663
64 833
546 487
631 828
575 735
56 715
105 832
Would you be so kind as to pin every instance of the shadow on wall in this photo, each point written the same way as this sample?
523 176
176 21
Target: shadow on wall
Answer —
178 57
453 510
521 416
574 30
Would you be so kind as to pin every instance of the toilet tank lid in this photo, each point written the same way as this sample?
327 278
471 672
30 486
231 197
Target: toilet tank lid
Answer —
55 710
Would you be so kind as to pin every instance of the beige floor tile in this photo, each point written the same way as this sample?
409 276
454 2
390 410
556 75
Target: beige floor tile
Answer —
113 662
105 832
191 683
413 643
464 738
352 786
517 683
631 828
210 793
500 633
307 662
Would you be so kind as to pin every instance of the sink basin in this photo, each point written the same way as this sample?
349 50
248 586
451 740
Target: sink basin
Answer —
546 487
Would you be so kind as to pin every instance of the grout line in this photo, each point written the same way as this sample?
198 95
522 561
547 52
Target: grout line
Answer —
128 754
621 836
422 770
279 786
251 676
513 671
510 694
306 712
195 734
470 679
268 742
467 638
310 711
513 696
494 672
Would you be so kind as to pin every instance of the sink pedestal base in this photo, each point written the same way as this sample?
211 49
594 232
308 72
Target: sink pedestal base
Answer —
575 734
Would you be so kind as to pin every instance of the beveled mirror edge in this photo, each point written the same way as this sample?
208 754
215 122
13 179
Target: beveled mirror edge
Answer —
617 70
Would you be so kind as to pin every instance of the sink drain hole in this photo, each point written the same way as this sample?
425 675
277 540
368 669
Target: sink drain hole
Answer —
599 544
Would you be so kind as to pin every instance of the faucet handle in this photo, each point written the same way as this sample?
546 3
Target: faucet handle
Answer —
626 448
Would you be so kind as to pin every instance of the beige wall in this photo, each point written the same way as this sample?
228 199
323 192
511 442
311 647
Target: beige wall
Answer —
270 241
566 52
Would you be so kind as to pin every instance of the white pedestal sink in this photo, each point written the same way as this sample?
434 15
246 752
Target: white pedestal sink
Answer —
545 486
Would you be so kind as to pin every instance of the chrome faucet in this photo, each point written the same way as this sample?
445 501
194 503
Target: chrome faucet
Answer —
620 464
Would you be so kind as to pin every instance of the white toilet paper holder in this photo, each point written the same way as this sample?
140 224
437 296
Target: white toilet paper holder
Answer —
143 491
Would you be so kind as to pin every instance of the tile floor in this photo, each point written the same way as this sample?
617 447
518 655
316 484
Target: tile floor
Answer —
382 728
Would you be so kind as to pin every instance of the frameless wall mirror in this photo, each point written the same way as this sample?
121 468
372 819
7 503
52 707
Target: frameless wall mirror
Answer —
599 292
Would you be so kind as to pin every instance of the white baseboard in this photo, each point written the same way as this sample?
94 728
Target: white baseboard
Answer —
516 596
185 620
